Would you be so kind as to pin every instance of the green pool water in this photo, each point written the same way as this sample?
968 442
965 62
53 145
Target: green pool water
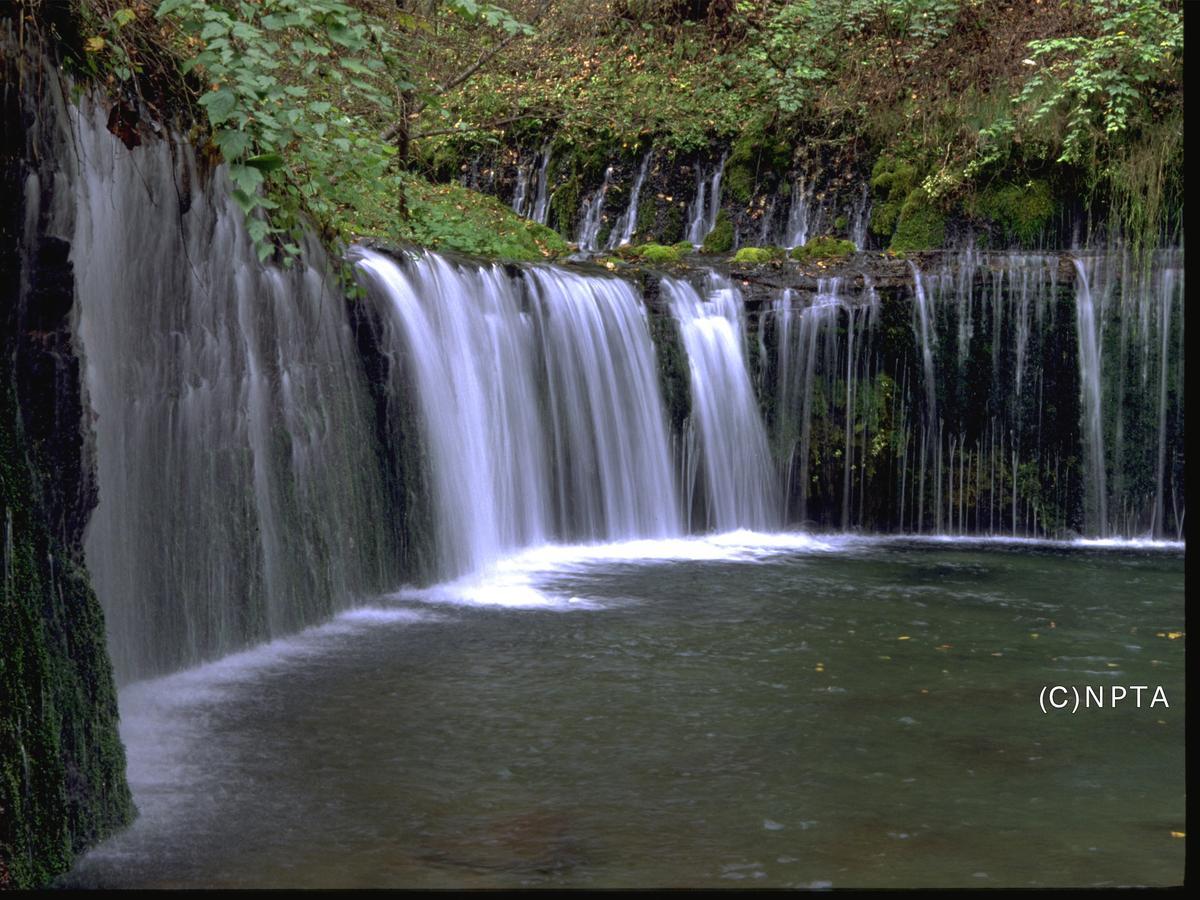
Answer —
853 713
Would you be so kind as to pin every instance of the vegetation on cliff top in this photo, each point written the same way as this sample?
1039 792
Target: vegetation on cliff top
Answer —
999 112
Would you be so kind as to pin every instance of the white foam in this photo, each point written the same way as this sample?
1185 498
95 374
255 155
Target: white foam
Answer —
520 581
1112 543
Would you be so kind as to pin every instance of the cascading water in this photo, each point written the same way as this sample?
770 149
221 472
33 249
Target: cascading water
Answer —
593 209
702 214
860 217
241 492
799 335
950 409
539 402
739 481
813 212
622 232
540 198
239 495
803 220
1088 334
521 192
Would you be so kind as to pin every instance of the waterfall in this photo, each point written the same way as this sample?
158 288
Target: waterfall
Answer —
1088 333
539 402
247 487
833 210
540 202
593 209
967 405
739 479
239 495
521 191
622 232
702 214
801 223
799 337
860 216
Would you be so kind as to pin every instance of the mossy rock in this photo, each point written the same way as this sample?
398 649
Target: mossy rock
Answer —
824 247
922 226
755 151
564 205
453 217
646 214
757 255
605 231
1021 211
62 764
720 239
684 247
658 253
892 180
672 229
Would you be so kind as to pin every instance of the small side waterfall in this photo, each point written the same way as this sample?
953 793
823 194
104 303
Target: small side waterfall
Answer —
622 232
800 334
739 480
817 210
702 214
803 219
860 216
593 209
539 403
520 201
540 198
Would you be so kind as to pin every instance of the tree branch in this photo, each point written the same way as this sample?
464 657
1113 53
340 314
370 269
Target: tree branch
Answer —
487 56
485 126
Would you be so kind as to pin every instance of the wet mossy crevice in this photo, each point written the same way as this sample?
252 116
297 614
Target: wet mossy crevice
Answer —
62 765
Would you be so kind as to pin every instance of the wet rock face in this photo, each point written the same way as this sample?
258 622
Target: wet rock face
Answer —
62 765
769 193
48 379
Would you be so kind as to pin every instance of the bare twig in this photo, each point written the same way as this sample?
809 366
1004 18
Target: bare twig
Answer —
395 129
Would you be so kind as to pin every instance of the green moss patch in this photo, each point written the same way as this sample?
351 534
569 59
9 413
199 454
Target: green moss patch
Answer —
1021 211
757 255
922 226
892 180
453 217
823 247
659 253
720 239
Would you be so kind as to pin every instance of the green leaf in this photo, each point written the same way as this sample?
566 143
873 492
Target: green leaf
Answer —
266 162
247 178
219 104
232 143
167 7
257 229
243 200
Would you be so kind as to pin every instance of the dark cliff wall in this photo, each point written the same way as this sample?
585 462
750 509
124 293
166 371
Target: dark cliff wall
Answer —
62 765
